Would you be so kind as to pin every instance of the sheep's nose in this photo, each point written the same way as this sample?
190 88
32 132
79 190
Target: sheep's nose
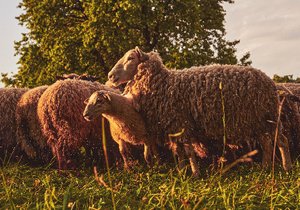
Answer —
113 78
110 75
86 116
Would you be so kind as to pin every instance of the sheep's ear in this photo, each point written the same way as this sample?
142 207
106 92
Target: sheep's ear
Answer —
59 77
86 101
107 96
141 55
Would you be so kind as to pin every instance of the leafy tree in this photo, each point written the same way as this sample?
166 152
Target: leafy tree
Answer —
285 79
90 36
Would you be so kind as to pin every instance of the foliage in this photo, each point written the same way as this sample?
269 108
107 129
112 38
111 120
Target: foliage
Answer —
8 81
245 187
90 36
285 79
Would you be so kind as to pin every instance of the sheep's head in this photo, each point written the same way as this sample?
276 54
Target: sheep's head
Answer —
125 69
67 76
99 103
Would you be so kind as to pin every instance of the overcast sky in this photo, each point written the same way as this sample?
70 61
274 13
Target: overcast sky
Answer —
269 29
9 32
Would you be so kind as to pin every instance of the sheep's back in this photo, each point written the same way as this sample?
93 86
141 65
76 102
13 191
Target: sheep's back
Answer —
192 99
29 131
60 110
9 98
293 87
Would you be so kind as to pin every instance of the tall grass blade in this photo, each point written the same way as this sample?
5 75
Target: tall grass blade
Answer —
274 150
224 124
106 162
66 198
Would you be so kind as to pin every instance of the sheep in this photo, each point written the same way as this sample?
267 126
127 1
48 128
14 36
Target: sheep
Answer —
9 98
60 111
293 88
193 102
290 117
78 77
126 125
29 132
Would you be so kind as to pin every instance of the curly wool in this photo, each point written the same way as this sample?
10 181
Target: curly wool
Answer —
125 122
9 98
60 111
29 131
294 88
192 99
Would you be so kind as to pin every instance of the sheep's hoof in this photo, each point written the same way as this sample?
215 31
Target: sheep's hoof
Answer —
196 174
127 168
287 167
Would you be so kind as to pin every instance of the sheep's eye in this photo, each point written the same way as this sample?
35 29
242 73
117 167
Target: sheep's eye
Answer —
130 58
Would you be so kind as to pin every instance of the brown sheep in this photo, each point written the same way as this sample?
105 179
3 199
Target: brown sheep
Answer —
290 118
293 88
9 98
60 111
195 101
29 131
126 125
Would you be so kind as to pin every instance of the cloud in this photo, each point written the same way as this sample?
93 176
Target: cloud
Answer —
270 30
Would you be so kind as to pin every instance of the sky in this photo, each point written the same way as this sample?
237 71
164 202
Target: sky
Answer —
268 29
10 31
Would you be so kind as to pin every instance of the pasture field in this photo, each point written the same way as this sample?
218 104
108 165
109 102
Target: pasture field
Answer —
162 187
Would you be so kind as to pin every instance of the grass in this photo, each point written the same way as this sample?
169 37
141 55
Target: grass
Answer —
244 187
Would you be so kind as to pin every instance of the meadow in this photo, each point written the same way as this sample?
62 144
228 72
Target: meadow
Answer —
246 186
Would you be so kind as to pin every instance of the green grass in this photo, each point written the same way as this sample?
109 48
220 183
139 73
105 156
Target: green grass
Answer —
245 187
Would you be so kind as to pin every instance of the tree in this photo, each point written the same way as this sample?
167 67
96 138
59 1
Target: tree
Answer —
285 79
90 36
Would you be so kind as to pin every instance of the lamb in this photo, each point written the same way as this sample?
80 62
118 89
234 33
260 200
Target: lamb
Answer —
192 100
9 98
60 111
126 125
29 132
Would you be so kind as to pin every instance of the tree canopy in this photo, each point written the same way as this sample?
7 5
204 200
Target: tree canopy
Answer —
89 36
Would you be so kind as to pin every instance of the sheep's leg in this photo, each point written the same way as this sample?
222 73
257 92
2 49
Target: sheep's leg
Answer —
25 141
189 151
267 149
148 155
95 154
155 153
60 158
66 158
179 151
46 154
124 153
283 146
88 155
